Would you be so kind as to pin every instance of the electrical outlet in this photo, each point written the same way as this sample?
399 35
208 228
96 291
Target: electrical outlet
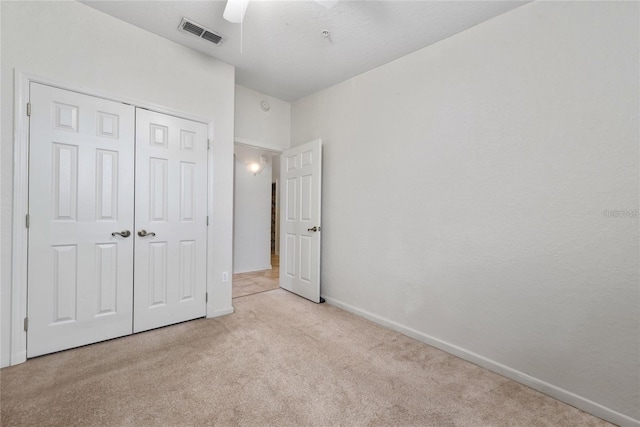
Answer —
225 276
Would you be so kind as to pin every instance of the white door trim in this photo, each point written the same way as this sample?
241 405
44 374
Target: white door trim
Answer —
258 145
21 196
20 208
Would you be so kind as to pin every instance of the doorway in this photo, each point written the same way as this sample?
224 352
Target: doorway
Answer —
256 221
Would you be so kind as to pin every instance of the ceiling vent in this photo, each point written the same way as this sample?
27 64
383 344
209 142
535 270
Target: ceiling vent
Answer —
199 31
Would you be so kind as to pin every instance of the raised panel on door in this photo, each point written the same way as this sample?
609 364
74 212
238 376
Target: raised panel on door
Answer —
171 207
106 185
64 176
187 268
107 278
80 277
291 199
156 274
187 191
65 283
306 198
290 251
158 189
300 237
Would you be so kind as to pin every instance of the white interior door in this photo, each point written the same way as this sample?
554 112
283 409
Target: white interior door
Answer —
171 220
300 220
80 274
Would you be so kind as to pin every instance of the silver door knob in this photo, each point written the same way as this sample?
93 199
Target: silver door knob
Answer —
144 233
314 229
125 233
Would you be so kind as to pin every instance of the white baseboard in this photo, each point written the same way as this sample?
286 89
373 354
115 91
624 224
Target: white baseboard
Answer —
252 269
563 395
221 312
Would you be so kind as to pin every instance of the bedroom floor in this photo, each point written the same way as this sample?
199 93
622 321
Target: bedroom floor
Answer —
257 281
279 360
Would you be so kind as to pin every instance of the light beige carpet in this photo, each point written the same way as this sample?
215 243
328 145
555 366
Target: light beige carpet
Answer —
280 361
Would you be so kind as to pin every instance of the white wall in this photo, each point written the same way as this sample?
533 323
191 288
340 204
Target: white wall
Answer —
252 213
73 43
464 190
270 129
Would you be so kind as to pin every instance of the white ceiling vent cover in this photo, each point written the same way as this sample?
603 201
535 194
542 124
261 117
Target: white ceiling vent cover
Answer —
199 31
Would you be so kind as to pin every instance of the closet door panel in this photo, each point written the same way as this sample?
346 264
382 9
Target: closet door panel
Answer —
80 275
171 220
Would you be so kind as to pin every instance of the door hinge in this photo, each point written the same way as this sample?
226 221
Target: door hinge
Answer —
26 324
206 297
28 108
207 220
208 144
26 220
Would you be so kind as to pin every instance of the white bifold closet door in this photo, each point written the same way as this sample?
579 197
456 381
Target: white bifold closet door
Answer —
81 171
100 173
171 208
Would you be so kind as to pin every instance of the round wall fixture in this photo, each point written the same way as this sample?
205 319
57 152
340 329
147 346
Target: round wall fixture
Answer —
264 106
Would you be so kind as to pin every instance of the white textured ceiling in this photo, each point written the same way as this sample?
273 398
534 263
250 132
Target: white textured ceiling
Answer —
280 50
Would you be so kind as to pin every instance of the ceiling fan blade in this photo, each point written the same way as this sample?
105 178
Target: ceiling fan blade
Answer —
234 10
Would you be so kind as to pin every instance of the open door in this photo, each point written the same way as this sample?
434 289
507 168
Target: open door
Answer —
301 178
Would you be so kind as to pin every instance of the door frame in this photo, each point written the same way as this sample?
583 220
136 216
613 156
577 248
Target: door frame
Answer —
20 234
257 145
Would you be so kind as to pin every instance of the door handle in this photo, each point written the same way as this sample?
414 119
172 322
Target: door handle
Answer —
144 233
125 233
314 229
